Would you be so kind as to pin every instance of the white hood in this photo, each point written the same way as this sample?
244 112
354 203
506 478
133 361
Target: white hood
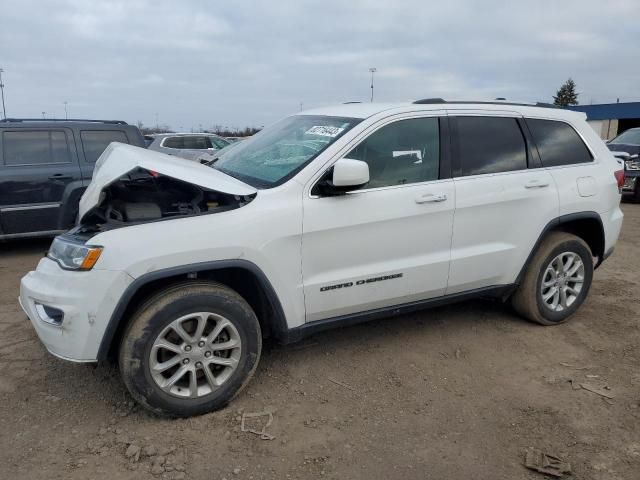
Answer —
119 159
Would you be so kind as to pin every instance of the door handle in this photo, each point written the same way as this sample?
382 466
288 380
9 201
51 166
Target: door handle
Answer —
60 176
431 198
536 184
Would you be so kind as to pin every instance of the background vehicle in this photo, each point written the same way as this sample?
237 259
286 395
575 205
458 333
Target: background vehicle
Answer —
191 146
45 166
235 139
629 142
327 218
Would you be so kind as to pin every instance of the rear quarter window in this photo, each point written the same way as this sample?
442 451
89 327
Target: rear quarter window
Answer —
558 143
94 142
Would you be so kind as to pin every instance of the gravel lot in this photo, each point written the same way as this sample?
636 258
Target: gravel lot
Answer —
458 392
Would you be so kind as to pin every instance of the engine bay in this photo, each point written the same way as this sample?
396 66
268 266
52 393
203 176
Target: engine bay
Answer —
145 196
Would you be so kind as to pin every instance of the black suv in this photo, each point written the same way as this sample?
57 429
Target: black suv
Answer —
45 166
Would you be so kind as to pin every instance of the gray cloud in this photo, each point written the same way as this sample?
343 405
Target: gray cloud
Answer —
200 63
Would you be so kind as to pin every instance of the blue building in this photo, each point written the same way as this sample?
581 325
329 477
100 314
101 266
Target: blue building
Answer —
611 119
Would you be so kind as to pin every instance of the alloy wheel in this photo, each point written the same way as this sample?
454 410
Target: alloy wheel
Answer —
195 355
562 281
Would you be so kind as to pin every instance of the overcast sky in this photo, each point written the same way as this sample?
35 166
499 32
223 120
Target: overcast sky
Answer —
249 63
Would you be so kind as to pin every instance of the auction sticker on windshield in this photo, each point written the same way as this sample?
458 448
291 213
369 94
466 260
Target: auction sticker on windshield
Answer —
325 131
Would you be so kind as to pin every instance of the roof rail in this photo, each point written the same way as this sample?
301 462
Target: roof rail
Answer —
484 102
546 105
430 100
18 120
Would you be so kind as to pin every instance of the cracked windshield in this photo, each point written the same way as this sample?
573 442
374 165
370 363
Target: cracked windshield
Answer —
280 151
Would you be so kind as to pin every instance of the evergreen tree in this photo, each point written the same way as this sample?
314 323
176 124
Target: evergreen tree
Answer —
567 94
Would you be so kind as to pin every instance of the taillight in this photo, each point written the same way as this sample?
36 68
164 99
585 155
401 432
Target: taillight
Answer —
619 174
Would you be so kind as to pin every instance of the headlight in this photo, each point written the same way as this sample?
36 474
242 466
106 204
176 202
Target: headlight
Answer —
633 164
73 256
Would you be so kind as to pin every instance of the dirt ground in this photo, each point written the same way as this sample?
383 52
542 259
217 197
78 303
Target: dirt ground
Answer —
458 392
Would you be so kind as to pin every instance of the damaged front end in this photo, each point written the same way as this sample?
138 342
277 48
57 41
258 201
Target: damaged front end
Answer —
132 185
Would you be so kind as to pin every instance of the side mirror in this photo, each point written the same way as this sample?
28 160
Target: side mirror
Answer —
344 176
350 173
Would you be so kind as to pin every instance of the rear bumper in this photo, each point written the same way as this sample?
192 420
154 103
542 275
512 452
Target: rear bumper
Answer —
612 224
86 299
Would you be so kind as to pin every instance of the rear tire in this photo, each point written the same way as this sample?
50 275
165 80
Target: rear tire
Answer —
556 281
190 349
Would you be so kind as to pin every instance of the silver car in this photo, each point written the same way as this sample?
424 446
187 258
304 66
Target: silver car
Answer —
192 146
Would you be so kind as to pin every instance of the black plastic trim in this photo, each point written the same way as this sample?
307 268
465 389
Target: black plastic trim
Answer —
444 170
533 156
550 226
297 333
606 255
456 164
279 324
429 101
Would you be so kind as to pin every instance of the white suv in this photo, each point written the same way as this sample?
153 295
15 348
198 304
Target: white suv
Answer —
327 218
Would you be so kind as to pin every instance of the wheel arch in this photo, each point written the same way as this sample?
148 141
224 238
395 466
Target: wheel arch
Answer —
246 278
586 225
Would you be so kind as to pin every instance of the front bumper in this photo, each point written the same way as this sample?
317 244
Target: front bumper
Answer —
87 300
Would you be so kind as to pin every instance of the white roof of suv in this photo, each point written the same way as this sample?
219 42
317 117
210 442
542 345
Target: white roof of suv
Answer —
366 110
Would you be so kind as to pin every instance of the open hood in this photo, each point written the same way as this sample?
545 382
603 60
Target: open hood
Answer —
119 159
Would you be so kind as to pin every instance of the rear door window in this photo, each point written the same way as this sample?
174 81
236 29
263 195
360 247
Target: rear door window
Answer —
36 147
558 143
490 145
196 142
94 142
188 142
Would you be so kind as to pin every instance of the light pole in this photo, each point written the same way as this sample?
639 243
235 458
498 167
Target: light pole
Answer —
372 70
4 110
43 113
66 115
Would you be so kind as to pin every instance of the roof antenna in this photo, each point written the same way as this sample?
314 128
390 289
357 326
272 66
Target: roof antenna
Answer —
501 98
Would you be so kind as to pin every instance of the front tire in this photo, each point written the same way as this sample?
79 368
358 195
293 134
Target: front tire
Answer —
190 349
556 281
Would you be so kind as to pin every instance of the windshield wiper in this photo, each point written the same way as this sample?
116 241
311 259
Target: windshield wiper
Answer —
209 163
